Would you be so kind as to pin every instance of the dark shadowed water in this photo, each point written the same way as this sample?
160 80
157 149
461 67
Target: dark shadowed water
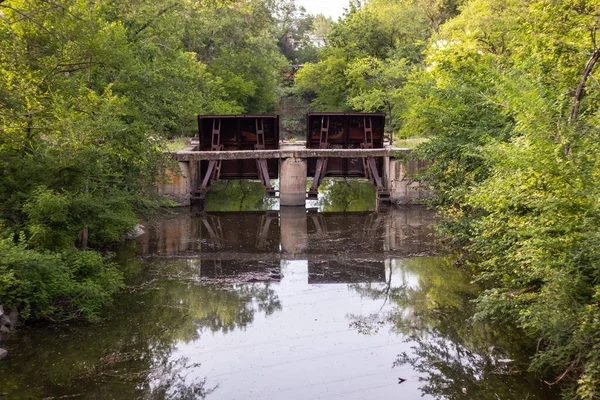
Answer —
288 304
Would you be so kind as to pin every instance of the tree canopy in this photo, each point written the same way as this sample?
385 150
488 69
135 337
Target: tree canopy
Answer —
89 92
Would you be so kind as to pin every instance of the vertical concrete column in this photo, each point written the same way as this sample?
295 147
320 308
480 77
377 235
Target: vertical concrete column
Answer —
194 174
386 172
292 182
294 229
397 181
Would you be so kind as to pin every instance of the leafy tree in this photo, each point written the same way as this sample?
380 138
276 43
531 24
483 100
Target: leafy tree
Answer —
505 91
322 26
58 286
293 29
370 51
515 166
89 90
325 82
376 86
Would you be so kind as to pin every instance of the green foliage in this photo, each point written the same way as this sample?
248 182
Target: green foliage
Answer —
451 102
237 196
293 31
239 46
55 285
89 91
347 196
517 172
431 307
166 306
369 56
537 240
506 94
325 82
376 86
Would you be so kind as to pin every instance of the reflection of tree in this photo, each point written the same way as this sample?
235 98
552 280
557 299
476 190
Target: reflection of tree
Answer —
378 291
347 195
455 356
238 195
266 299
170 381
370 324
124 356
225 309
456 367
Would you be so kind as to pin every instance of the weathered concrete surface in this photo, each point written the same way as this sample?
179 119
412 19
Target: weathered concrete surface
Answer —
286 152
292 182
177 184
403 188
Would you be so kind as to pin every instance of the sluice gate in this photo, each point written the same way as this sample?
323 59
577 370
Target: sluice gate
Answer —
346 131
237 132
337 145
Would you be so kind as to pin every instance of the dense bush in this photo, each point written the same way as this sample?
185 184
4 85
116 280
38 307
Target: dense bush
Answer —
516 168
59 286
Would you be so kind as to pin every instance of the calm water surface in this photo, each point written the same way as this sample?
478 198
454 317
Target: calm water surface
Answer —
288 304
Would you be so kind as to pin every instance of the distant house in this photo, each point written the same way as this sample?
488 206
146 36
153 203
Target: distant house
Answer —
317 40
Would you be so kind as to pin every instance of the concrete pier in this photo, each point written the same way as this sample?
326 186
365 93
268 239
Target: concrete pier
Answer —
292 182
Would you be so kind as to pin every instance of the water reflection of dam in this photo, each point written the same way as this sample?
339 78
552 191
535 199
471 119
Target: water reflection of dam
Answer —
339 247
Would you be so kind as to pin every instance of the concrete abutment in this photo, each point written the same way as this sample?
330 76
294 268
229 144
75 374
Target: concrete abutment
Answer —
404 188
178 184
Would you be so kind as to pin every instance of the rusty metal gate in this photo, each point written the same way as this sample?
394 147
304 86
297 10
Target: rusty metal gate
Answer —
346 131
237 132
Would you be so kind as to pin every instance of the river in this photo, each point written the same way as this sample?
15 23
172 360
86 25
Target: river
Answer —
288 304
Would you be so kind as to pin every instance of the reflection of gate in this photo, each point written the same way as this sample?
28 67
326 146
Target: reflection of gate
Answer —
319 223
355 271
346 131
364 232
263 230
373 229
237 132
249 232
214 231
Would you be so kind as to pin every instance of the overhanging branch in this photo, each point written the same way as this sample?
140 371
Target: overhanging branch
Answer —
147 24
580 91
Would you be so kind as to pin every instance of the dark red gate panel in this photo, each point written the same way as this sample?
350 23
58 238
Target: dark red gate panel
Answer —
239 132
345 131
